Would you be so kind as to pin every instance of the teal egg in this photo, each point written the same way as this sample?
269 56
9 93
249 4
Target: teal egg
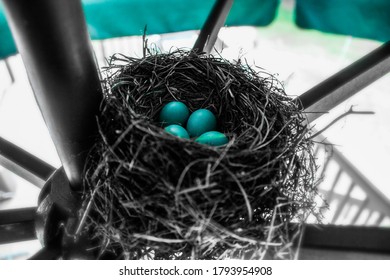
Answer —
177 130
201 121
212 138
174 112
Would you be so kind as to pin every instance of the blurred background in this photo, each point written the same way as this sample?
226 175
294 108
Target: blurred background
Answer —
354 172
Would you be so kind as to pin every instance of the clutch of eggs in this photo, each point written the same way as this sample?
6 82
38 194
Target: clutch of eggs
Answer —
200 124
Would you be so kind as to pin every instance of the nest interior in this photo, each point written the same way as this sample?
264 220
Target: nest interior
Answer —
151 195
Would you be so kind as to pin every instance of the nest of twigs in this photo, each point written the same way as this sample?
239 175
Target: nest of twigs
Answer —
152 195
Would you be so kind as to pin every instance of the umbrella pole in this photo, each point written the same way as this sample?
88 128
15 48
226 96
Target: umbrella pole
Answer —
344 84
53 41
209 32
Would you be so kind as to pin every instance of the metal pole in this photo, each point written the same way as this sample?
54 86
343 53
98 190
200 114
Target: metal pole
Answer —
346 238
214 22
24 164
17 225
53 41
339 87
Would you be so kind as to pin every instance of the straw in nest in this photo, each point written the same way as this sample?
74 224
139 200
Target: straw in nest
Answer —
152 195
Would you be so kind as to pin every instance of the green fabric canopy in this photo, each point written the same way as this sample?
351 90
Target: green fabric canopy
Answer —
359 18
117 18
7 45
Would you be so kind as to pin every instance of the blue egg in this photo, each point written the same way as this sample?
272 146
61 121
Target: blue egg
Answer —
177 130
212 138
174 112
201 121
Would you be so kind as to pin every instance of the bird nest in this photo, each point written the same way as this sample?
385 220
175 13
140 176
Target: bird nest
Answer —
151 195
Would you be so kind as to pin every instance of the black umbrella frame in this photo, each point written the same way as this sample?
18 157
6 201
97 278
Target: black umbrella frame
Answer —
70 103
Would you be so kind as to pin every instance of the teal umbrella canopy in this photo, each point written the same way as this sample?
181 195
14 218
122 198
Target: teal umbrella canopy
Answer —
359 18
7 45
118 18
